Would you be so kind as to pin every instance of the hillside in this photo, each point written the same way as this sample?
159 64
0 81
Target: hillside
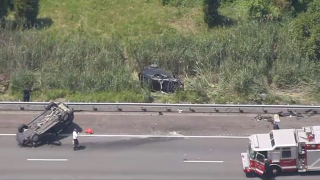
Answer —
93 51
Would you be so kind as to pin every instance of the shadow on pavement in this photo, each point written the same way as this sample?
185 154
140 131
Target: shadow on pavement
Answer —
126 143
301 174
51 139
81 147
288 174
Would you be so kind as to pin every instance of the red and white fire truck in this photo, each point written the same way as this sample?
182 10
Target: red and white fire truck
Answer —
284 150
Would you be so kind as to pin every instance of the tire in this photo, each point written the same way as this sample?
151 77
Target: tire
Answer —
276 170
22 127
35 138
249 175
65 117
71 117
50 105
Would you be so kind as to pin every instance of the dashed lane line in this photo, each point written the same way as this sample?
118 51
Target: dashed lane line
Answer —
47 159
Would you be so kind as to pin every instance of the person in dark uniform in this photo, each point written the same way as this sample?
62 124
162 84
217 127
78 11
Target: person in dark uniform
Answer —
268 171
26 94
275 125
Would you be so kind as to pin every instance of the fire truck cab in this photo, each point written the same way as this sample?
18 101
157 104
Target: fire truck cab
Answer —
284 150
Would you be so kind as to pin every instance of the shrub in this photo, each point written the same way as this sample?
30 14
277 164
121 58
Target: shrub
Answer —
307 30
26 11
211 13
4 6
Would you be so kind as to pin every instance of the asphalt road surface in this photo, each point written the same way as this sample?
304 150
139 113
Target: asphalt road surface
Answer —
152 123
125 158
138 158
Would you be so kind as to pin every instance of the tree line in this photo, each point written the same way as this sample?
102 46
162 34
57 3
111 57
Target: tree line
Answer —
256 9
301 15
25 11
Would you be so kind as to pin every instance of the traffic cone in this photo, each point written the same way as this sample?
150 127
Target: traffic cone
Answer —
89 131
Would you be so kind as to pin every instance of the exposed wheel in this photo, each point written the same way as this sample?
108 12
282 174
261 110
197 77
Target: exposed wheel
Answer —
35 138
65 117
249 174
71 117
276 170
50 105
22 127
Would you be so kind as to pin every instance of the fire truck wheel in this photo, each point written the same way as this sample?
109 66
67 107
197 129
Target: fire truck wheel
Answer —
276 170
249 175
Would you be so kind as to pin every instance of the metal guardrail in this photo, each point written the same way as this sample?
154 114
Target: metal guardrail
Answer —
160 107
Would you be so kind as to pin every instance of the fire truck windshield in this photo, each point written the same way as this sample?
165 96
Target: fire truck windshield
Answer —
251 153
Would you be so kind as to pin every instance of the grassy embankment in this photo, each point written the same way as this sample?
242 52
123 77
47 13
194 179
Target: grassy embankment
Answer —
94 49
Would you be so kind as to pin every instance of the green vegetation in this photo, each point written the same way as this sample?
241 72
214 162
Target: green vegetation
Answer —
263 51
26 11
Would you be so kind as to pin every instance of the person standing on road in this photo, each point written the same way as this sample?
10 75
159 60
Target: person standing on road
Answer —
269 174
275 125
75 139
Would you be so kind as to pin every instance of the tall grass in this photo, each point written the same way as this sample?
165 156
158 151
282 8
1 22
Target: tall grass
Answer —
237 65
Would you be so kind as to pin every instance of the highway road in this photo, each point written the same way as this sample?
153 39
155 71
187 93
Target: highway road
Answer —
152 123
171 158
125 158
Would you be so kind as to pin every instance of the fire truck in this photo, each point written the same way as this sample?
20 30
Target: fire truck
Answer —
283 150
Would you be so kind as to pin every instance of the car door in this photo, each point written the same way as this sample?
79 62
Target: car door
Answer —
260 164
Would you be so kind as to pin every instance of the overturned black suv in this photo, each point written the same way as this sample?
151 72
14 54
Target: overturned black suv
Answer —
158 79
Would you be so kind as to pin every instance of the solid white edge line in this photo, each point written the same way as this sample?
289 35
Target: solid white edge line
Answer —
203 161
47 159
7 134
147 136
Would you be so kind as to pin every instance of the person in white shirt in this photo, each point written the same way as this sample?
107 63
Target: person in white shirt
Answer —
75 139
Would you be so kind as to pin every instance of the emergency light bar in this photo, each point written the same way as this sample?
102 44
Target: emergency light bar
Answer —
313 146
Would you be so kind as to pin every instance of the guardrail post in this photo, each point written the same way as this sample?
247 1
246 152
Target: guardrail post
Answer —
264 110
240 110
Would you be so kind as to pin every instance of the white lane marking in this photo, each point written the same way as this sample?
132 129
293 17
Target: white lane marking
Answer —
7 134
148 136
47 159
202 161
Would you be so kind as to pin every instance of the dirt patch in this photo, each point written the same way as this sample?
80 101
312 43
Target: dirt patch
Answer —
185 25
